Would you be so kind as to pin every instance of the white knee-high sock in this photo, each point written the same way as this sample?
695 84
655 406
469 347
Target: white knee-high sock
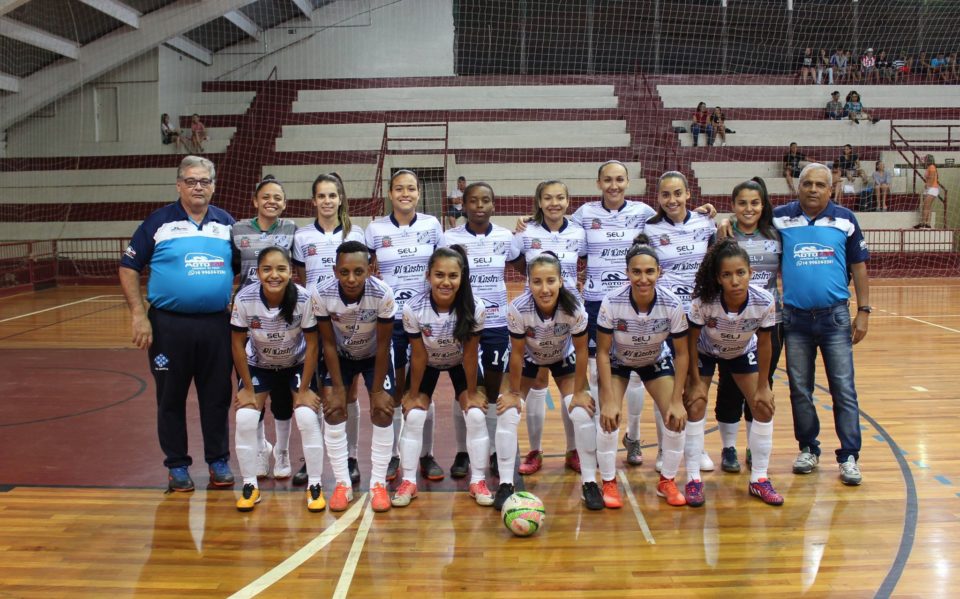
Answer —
336 437
728 433
660 428
353 428
506 442
536 409
592 379
380 446
693 448
607 452
308 422
673 443
491 415
478 443
283 435
634 405
585 431
245 439
761 444
429 427
568 432
261 435
459 429
397 425
411 440
749 426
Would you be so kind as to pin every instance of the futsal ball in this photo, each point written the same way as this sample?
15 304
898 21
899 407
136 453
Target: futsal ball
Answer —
523 513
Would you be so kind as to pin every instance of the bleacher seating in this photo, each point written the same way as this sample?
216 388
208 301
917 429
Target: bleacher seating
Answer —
809 133
806 96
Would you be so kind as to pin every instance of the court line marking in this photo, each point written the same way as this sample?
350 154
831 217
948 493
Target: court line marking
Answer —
303 554
636 508
89 299
350 566
919 388
939 326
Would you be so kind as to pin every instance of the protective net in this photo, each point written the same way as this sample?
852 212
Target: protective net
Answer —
508 92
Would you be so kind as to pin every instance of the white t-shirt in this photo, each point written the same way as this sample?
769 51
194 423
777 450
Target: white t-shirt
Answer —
421 319
547 340
681 248
639 337
355 323
488 255
403 252
316 250
271 341
569 243
726 334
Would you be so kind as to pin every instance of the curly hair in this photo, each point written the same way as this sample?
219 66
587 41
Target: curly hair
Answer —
707 286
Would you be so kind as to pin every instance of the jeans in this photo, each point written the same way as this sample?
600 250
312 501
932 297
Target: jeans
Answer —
826 329
695 129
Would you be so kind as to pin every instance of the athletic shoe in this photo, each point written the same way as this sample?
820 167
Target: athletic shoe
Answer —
850 472
728 459
341 498
611 495
281 464
592 498
504 491
764 490
667 488
481 493
430 469
659 465
634 454
693 493
531 463
406 493
572 460
379 499
220 475
749 459
249 497
301 478
494 465
263 460
806 461
461 465
392 468
179 480
706 464
315 500
354 467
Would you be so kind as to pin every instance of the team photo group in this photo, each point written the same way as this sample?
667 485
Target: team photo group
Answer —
619 299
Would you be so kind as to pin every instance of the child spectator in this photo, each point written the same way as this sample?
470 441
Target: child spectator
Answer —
718 120
835 109
855 110
881 186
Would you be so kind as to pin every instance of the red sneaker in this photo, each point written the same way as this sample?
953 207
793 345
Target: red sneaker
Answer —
532 462
611 494
572 461
667 488
764 490
379 499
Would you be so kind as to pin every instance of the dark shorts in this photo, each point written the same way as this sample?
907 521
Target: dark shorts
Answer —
265 379
494 348
564 367
431 375
593 309
745 364
401 345
349 369
663 367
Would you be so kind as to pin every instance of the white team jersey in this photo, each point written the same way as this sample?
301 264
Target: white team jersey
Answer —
421 319
316 249
488 255
403 253
609 235
681 248
271 342
569 243
355 324
547 340
727 334
639 338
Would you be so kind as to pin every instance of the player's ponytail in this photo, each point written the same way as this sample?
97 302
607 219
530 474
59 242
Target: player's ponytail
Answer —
641 246
288 303
464 305
707 286
566 300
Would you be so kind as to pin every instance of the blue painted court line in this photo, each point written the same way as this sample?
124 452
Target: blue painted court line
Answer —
828 407
942 479
878 438
919 464
549 401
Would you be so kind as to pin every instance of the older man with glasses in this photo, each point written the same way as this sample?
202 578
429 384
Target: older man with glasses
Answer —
186 331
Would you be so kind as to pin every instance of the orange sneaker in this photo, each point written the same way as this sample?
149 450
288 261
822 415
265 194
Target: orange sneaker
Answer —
611 494
379 499
406 493
667 488
481 493
341 498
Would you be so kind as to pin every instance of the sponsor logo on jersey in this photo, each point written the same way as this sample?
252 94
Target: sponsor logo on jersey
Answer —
664 239
160 362
596 224
572 245
635 222
255 322
245 243
386 241
711 322
813 253
403 294
367 315
499 247
560 330
749 324
536 244
621 325
200 263
130 252
661 325
613 275
530 332
426 330
703 234
407 251
424 236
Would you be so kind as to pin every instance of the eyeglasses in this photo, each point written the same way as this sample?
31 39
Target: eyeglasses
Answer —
191 183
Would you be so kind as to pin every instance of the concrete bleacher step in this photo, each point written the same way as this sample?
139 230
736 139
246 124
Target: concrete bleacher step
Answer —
210 103
805 133
297 180
719 178
807 96
90 185
218 140
521 179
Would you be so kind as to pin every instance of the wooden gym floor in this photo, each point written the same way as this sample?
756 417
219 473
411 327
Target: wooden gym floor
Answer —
83 512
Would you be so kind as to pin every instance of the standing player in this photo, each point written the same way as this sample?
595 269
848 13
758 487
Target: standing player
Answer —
250 237
489 247
549 230
402 243
633 326
443 324
314 255
548 327
274 343
730 324
355 316
681 239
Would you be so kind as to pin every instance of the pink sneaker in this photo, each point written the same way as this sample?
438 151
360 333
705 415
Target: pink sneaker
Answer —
481 493
764 490
532 462
572 460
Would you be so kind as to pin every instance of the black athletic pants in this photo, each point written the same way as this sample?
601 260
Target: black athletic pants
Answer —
730 401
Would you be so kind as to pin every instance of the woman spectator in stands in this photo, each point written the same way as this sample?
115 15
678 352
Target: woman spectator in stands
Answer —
198 133
850 171
855 109
839 63
169 134
718 120
853 65
824 66
884 67
807 66
701 122
881 186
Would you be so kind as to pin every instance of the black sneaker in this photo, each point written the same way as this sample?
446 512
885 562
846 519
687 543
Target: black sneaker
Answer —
592 497
728 460
300 478
179 480
461 465
430 469
392 468
354 468
494 467
504 491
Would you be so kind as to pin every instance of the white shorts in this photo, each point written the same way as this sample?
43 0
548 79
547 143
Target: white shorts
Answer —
932 191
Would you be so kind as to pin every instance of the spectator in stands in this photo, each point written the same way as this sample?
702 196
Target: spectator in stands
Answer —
835 109
455 210
701 122
839 63
849 166
855 110
952 69
807 62
719 120
868 66
881 186
931 191
793 163
824 66
168 134
938 66
922 67
884 67
198 133
853 65
901 66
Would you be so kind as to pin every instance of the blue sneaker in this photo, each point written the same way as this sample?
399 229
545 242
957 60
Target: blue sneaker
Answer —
220 475
179 480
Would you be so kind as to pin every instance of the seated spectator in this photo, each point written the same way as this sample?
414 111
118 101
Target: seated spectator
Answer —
855 109
807 66
937 66
455 209
953 71
701 122
169 135
793 163
835 109
824 66
901 66
198 133
884 66
865 200
848 168
837 184
868 66
881 186
718 120
853 65
922 66
839 63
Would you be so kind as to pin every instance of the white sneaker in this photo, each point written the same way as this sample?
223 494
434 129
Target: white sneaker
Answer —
850 472
706 464
281 464
659 464
263 460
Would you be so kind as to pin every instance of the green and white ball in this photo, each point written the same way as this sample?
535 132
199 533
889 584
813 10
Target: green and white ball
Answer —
523 513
